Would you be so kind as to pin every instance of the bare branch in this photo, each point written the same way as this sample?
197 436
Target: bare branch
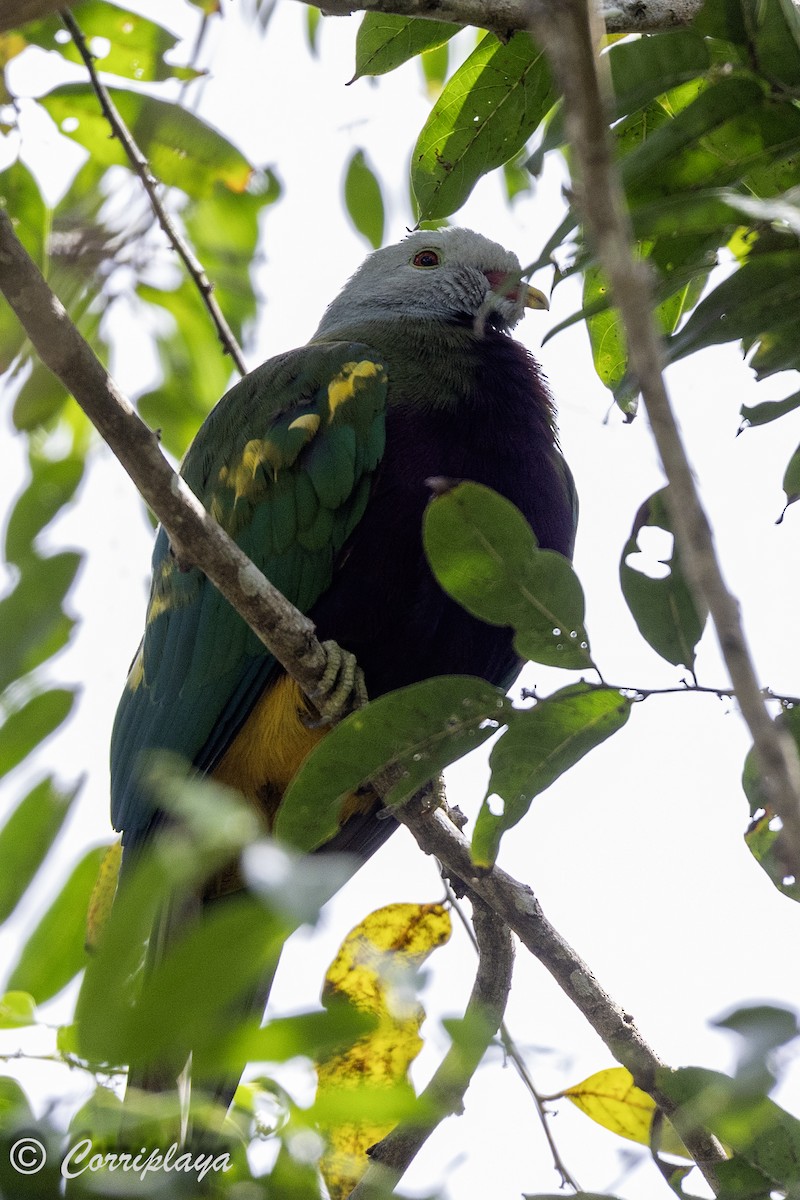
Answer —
621 16
566 30
517 905
141 167
444 1095
15 13
507 16
290 637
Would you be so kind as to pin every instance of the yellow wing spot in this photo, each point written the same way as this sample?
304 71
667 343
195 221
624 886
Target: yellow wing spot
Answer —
136 673
162 598
350 379
309 422
241 476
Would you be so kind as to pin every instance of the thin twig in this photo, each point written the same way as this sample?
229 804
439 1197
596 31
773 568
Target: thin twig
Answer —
289 635
444 1095
516 1057
682 689
566 30
141 167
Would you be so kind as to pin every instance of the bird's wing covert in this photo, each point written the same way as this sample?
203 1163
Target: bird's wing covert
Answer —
284 464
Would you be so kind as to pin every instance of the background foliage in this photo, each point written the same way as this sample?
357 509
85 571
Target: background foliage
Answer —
706 124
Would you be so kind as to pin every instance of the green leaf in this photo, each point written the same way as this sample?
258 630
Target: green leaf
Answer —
313 19
484 554
649 66
188 996
182 150
27 836
704 211
664 609
54 952
539 745
760 297
224 230
32 623
53 484
122 42
26 727
384 41
15 1110
606 332
486 112
416 731
775 32
517 176
791 479
22 200
306 1035
195 371
363 198
762 837
435 65
752 1125
693 149
763 1029
722 19
17 1009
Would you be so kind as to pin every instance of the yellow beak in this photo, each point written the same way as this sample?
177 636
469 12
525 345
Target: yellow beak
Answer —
536 299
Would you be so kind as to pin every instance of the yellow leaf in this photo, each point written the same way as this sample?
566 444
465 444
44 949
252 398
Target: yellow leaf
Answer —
102 896
612 1099
371 971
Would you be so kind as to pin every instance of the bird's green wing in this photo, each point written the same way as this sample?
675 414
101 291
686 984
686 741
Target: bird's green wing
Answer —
284 463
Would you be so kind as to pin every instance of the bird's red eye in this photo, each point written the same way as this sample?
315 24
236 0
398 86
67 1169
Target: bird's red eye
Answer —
426 258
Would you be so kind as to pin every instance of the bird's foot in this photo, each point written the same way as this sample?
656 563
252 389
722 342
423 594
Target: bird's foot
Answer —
342 688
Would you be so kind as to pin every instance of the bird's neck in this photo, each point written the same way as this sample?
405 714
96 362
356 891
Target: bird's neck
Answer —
439 364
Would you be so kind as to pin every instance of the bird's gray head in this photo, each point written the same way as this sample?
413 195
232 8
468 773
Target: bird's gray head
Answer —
446 274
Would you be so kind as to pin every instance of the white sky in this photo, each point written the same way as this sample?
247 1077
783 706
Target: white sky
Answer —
637 854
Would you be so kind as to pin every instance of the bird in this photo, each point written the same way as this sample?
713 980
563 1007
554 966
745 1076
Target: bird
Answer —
319 464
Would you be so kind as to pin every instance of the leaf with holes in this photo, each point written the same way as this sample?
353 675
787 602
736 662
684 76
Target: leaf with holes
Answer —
667 614
539 745
762 836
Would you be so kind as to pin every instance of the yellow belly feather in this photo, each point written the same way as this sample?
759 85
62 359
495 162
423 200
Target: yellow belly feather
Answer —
266 754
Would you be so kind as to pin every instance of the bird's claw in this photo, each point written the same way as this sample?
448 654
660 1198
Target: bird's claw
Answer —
342 688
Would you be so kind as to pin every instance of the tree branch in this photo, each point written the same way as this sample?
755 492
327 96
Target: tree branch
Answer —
290 637
16 13
196 538
519 908
507 16
141 168
566 30
444 1095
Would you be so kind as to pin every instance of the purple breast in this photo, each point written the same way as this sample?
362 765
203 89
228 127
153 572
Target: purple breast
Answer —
384 604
